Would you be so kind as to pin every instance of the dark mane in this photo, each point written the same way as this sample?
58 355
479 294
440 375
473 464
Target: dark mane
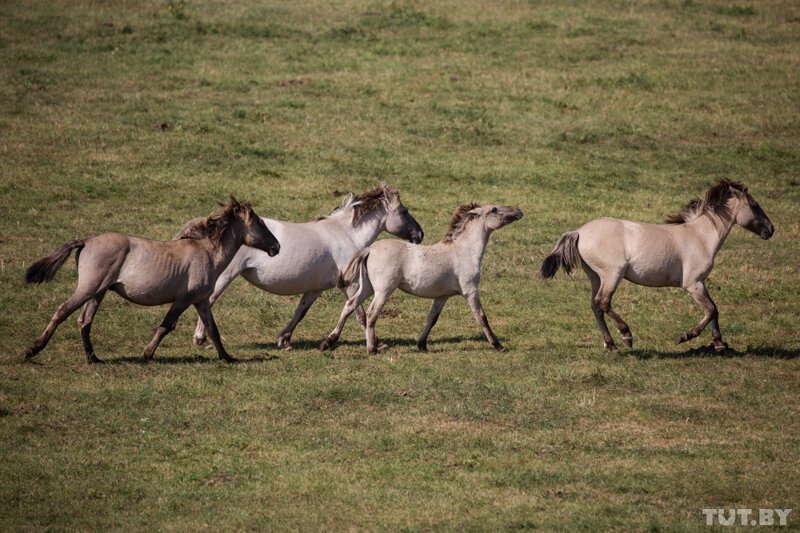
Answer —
366 202
461 217
216 224
713 204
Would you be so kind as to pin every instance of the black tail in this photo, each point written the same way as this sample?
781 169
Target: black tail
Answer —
565 255
45 269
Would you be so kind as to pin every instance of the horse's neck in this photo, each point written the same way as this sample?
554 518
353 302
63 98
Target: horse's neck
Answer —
471 244
363 232
713 234
223 253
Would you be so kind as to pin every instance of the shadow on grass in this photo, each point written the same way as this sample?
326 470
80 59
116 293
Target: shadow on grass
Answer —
769 352
390 341
185 360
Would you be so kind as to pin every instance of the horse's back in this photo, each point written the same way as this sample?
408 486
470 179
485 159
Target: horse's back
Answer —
643 253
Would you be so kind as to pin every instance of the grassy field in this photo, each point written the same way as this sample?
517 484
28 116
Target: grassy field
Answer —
137 116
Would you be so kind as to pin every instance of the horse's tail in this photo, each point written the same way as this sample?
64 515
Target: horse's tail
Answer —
355 267
45 269
565 255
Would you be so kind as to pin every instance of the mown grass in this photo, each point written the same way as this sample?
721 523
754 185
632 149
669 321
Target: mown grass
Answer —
570 111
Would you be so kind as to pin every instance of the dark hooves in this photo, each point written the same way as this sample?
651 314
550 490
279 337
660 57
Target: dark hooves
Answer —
149 360
612 348
683 338
628 341
422 347
229 359
201 342
324 345
719 348
500 348
93 359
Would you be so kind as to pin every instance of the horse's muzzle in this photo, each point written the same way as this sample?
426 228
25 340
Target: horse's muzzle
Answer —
766 233
417 237
272 251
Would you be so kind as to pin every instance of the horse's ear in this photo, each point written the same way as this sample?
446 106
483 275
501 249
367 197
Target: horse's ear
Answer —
235 205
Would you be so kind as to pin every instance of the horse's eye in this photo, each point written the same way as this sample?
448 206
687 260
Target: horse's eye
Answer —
494 210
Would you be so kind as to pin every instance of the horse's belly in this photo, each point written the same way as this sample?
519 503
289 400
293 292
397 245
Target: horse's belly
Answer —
430 288
145 295
654 275
290 281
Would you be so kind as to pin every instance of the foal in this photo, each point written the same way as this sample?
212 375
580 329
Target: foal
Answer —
148 272
678 254
445 269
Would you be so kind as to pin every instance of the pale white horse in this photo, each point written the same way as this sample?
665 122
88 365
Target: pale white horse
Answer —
448 268
677 254
313 253
150 272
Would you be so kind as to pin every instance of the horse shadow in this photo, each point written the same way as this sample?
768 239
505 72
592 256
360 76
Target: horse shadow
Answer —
392 342
767 352
184 360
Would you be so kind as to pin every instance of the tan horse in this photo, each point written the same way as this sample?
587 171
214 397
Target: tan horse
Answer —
445 269
677 254
148 272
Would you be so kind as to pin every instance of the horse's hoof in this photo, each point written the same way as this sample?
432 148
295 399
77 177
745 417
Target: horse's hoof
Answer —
720 348
288 346
229 358
422 347
149 360
201 341
500 348
381 346
372 351
612 347
683 337
93 359
628 341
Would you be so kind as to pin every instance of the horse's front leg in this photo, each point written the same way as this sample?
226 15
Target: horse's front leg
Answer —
474 300
433 316
700 295
167 325
204 310
285 336
228 275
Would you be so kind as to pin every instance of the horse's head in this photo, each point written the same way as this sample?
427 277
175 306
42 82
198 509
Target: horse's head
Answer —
496 216
398 220
255 232
749 214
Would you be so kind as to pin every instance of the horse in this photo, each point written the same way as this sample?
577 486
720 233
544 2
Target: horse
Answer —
448 268
314 252
149 272
679 253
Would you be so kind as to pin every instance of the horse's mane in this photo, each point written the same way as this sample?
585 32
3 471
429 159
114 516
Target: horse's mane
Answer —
216 224
461 217
714 203
366 202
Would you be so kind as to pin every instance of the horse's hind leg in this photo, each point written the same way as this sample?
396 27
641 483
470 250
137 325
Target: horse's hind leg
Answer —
602 292
85 325
167 325
700 295
204 310
78 298
474 300
433 316
372 317
352 304
285 336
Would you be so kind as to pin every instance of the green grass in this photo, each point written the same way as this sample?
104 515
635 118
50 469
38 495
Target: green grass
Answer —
569 110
